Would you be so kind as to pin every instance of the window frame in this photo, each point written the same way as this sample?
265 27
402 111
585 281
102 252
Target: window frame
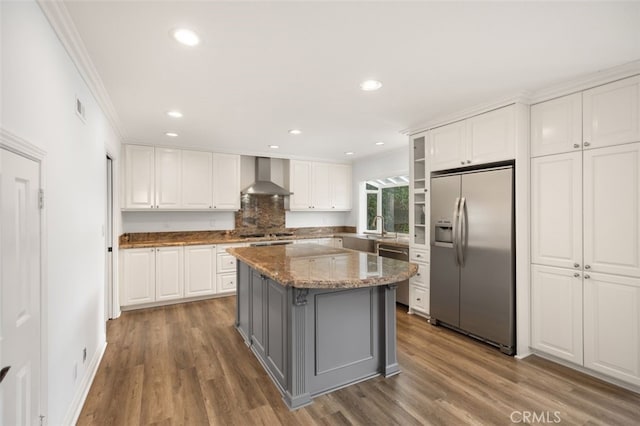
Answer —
378 192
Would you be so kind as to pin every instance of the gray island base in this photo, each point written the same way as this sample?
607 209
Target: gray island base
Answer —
312 341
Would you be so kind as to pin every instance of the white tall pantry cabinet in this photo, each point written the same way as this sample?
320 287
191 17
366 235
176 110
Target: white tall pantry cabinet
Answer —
585 229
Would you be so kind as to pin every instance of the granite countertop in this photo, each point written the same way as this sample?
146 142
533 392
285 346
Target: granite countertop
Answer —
402 242
317 266
189 238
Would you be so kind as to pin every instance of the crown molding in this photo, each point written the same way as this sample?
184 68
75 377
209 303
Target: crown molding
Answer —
60 20
588 81
519 97
574 85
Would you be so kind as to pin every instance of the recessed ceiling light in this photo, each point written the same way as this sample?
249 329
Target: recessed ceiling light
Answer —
186 37
379 143
174 114
274 146
171 134
295 131
349 153
370 85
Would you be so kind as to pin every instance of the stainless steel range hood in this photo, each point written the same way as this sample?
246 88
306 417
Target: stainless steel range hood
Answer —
263 184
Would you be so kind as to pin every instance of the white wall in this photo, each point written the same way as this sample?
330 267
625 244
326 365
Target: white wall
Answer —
385 164
39 85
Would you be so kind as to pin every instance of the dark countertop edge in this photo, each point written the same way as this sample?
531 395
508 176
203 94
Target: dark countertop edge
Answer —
363 282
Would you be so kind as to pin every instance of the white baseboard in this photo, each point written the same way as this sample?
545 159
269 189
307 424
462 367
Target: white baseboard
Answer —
83 390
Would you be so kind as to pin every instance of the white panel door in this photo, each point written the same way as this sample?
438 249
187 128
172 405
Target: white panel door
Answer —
491 136
300 185
556 210
168 178
199 270
226 181
169 273
139 177
139 276
556 126
447 145
612 326
320 186
20 290
612 210
612 113
556 312
197 180
341 187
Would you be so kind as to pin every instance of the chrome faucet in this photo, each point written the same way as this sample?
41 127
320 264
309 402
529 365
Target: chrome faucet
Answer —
383 233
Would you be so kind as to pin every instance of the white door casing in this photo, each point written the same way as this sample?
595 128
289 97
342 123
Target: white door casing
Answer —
20 319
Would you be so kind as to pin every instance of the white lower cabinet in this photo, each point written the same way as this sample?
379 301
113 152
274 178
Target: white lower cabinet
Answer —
138 276
226 272
590 319
200 270
169 273
556 305
612 326
419 283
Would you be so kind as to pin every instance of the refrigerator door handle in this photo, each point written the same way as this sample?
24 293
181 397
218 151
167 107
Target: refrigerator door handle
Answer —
454 240
462 234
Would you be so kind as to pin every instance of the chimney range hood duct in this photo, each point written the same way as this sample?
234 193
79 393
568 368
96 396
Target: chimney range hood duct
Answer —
263 184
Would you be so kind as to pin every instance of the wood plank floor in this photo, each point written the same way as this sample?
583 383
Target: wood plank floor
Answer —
187 365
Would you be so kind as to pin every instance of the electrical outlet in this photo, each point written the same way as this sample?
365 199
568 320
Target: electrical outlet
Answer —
84 355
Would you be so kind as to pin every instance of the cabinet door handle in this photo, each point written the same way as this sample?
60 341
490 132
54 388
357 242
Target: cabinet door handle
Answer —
576 145
151 206
576 265
586 276
468 161
587 267
418 299
462 162
576 275
587 144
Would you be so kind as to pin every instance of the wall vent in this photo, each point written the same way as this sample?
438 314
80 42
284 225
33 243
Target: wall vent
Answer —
80 111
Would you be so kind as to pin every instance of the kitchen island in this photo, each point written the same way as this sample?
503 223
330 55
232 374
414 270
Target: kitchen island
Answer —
318 318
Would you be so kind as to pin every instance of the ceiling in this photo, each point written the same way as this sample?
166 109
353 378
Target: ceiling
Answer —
263 68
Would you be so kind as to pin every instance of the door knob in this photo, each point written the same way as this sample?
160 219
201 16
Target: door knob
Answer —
4 372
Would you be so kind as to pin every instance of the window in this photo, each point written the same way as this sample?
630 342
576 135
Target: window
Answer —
388 198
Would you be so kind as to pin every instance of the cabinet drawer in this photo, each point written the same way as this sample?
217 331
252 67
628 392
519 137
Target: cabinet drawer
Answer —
226 263
419 298
226 283
421 256
422 277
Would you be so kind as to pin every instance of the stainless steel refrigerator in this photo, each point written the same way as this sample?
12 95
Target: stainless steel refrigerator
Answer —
472 254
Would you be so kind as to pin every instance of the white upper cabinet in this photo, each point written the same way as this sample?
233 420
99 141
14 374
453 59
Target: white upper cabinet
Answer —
175 179
603 116
341 187
139 177
300 185
197 179
612 326
612 210
556 305
491 136
485 138
448 148
168 178
612 113
556 126
319 186
226 181
556 210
